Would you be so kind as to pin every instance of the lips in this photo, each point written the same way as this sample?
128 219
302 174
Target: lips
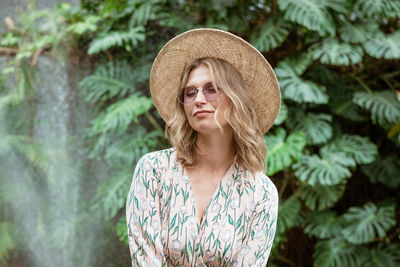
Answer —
200 112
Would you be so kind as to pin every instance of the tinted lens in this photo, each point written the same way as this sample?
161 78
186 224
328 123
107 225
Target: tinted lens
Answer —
187 94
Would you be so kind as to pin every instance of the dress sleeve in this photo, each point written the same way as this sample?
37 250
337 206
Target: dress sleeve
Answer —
258 243
143 216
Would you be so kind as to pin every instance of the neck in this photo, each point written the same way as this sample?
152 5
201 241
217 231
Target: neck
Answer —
215 150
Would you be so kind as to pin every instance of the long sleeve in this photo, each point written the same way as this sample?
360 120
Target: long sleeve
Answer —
143 216
257 245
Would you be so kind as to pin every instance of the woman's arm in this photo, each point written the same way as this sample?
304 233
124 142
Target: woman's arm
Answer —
258 243
143 217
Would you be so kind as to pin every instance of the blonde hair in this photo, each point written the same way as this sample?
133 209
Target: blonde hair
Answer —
248 139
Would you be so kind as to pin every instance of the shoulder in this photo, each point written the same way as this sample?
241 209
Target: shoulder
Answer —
158 158
266 190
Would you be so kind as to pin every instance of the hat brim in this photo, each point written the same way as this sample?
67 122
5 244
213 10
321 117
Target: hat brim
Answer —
168 66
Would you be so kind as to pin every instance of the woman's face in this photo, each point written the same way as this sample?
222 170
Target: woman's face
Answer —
200 112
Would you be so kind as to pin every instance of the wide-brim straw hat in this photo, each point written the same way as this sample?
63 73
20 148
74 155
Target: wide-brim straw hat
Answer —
168 66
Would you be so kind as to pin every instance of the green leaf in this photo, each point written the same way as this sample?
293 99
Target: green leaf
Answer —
282 116
358 32
316 127
294 87
121 230
384 46
364 224
329 169
144 12
332 52
272 34
383 105
384 256
337 252
359 148
385 170
116 38
320 197
383 8
282 153
313 14
322 224
289 210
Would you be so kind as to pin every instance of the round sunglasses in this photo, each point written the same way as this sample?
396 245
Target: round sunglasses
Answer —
188 94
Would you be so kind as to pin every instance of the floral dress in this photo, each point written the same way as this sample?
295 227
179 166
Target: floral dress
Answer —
238 225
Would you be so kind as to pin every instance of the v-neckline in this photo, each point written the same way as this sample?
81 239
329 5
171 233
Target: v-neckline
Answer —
200 221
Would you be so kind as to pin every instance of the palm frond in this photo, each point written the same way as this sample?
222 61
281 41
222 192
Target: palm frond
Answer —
116 38
272 34
383 105
312 14
337 252
332 52
359 148
320 197
365 223
384 46
382 8
385 170
316 127
323 224
282 153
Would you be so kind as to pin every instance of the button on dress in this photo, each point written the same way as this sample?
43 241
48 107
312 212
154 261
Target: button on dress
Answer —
237 228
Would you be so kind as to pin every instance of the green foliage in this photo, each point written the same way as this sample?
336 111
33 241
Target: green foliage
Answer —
289 210
117 39
384 46
384 255
358 32
364 224
273 33
383 105
7 242
282 116
385 170
320 197
282 153
332 52
322 224
382 8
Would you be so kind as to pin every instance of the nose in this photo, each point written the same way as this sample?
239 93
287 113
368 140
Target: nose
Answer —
200 98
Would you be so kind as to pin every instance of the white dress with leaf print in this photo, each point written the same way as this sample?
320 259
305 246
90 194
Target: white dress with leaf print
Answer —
237 229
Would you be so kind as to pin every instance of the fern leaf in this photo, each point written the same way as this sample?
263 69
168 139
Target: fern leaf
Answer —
383 8
337 252
282 153
272 34
120 115
358 32
359 148
289 210
329 169
323 224
384 46
332 52
116 38
365 223
320 197
384 255
144 12
296 88
384 170
316 127
383 105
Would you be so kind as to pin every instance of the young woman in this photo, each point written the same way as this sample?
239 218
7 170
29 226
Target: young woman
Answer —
207 201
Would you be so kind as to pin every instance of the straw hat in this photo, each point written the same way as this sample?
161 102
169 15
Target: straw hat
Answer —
166 73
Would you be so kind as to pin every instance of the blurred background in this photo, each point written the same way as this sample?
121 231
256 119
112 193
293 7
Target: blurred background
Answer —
75 116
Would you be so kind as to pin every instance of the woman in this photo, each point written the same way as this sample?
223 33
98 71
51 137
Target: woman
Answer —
207 201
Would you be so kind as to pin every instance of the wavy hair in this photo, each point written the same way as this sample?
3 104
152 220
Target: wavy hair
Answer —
248 139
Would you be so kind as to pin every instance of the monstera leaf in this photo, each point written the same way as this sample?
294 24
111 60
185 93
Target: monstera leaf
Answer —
329 169
313 14
294 87
359 148
384 46
282 116
282 153
270 35
384 8
363 224
289 210
319 197
337 252
358 32
383 105
385 170
316 127
322 224
384 255
332 52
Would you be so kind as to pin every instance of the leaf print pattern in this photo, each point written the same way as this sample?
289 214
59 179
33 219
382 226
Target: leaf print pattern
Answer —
237 228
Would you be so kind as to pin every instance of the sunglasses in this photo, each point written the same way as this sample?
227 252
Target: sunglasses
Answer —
188 94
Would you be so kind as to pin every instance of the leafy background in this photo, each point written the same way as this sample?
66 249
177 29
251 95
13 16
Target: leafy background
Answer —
333 151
